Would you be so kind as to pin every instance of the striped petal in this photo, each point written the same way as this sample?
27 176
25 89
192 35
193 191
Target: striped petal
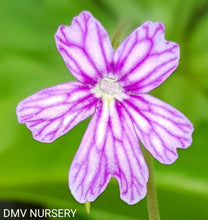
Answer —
108 149
161 128
85 48
52 112
145 59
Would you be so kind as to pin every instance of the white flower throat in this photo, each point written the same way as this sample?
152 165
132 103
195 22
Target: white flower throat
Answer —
108 89
109 86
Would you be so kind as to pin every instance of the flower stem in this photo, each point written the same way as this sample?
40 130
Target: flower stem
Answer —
118 33
87 207
152 204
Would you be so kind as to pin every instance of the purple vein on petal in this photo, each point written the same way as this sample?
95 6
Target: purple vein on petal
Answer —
159 126
118 155
52 112
145 59
85 48
153 79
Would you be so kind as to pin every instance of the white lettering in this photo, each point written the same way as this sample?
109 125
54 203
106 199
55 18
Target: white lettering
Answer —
23 213
60 213
67 213
33 213
14 213
47 213
54 213
73 212
6 213
41 213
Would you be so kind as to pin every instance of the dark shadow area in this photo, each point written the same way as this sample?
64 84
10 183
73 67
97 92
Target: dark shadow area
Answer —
18 210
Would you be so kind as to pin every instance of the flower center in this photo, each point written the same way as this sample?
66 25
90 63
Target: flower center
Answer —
108 88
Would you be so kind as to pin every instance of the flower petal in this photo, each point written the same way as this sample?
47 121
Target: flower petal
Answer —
159 126
131 169
52 112
88 175
85 47
145 59
108 149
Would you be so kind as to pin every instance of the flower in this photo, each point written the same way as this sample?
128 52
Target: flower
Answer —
112 86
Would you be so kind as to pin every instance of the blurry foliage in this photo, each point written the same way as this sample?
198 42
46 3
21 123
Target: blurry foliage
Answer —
37 172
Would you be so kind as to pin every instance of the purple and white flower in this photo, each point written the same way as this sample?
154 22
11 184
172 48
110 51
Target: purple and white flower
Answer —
112 86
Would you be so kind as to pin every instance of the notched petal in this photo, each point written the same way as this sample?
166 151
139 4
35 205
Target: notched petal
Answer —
88 174
118 155
52 112
145 59
131 170
86 48
161 128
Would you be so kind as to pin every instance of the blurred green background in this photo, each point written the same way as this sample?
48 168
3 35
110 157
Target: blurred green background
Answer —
37 173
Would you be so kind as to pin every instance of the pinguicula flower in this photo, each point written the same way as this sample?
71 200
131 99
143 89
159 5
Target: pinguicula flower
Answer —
112 86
